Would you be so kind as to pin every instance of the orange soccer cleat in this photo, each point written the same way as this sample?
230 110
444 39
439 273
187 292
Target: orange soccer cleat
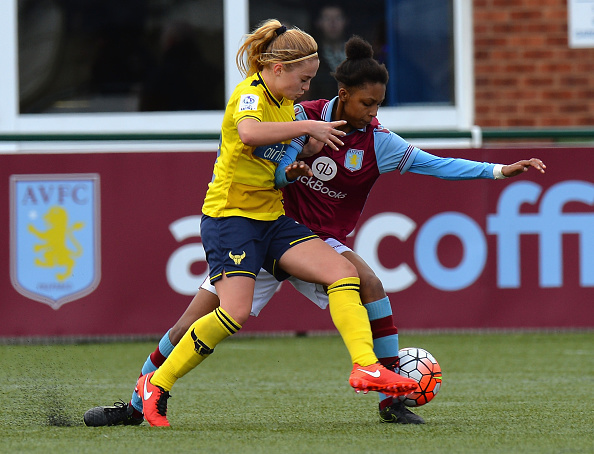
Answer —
376 377
154 401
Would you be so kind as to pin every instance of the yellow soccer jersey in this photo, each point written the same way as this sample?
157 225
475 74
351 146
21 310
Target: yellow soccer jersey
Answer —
243 178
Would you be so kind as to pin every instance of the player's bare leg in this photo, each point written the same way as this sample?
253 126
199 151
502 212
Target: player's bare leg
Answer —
347 312
385 338
203 303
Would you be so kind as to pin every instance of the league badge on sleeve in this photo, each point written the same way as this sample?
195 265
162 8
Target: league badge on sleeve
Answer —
54 230
248 102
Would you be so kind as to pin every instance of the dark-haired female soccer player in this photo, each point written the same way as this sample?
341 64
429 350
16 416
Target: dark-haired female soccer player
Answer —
313 202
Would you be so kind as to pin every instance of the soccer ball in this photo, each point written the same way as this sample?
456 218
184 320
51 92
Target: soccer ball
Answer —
419 364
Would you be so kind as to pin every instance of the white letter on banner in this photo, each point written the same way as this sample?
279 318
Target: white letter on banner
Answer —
367 242
179 276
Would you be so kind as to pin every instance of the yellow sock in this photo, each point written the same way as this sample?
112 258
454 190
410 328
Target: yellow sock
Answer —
195 346
351 320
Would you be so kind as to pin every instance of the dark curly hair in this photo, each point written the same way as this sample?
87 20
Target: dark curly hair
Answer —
360 67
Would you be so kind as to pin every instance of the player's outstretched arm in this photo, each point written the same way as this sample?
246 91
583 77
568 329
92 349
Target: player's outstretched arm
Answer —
520 167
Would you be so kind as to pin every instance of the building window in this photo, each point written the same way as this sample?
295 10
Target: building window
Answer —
113 56
413 38
419 52
176 60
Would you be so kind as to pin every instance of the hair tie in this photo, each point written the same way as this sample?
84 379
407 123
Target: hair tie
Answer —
280 30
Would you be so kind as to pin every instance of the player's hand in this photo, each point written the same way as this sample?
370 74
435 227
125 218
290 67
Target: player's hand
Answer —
522 166
328 133
311 148
296 170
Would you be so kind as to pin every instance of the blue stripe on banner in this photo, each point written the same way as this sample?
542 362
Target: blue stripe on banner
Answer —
379 309
384 347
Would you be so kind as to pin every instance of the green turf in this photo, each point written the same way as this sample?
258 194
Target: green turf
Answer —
502 393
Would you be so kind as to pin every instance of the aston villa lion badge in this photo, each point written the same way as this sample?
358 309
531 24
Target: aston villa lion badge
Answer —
55 236
353 159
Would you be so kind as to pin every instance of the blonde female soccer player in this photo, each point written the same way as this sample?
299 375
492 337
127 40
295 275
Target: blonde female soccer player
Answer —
244 228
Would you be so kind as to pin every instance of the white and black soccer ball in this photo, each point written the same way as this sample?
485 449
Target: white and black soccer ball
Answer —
419 364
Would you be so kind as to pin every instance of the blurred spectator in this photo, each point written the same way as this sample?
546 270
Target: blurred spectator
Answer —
330 33
182 79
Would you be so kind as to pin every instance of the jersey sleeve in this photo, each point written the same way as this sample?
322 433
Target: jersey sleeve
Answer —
297 144
249 105
392 152
450 168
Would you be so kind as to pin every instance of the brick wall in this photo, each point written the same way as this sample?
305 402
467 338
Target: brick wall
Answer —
525 73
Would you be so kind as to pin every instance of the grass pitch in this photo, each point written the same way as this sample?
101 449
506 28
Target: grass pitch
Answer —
501 393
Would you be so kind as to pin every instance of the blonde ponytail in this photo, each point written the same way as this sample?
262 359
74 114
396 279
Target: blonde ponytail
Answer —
271 43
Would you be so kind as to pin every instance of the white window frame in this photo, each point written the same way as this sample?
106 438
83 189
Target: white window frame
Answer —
419 118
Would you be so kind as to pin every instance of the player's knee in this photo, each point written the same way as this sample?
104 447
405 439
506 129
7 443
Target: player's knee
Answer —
178 330
346 269
371 287
240 316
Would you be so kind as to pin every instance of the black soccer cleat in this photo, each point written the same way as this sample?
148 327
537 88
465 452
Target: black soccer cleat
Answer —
398 413
120 413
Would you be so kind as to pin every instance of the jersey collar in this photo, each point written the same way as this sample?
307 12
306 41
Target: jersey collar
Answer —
259 81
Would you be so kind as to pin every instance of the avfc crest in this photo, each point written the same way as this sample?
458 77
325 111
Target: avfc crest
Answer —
353 160
54 233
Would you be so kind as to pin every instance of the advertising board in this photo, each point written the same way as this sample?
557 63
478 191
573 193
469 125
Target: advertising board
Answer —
109 245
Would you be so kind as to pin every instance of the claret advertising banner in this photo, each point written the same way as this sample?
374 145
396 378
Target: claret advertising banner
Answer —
109 245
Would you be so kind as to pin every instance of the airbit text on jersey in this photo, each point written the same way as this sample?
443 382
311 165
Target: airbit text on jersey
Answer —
317 185
272 153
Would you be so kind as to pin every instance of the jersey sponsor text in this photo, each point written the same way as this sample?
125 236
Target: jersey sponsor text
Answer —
319 186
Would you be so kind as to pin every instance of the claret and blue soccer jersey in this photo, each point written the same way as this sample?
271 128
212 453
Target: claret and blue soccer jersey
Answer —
331 201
